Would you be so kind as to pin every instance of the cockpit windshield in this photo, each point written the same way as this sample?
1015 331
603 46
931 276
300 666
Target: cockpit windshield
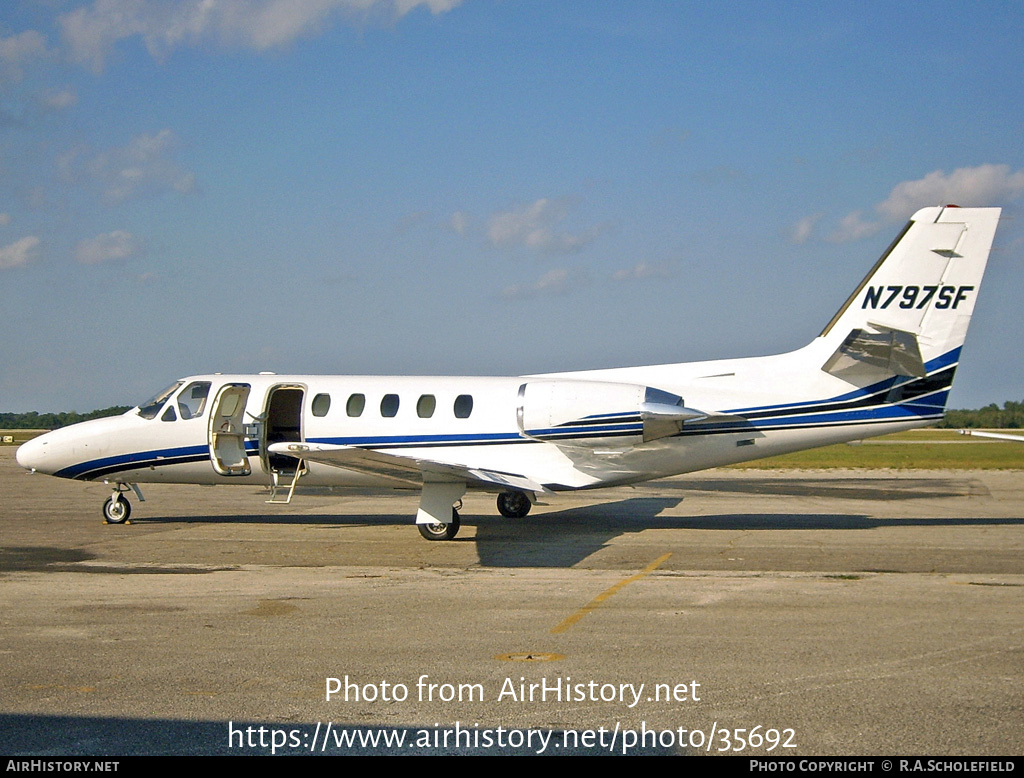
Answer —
150 408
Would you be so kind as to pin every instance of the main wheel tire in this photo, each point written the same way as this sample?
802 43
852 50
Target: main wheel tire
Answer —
116 510
513 505
439 531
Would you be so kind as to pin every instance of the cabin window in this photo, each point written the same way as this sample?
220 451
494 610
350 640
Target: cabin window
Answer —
152 406
425 406
192 400
463 406
321 404
229 404
354 406
389 406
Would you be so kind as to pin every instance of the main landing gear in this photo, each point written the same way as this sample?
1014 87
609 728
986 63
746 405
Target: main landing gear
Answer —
439 531
513 505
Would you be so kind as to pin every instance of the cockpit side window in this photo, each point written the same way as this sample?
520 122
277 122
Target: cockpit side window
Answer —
152 406
192 400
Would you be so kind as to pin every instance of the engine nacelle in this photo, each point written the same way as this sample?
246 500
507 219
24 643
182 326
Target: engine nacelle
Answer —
589 411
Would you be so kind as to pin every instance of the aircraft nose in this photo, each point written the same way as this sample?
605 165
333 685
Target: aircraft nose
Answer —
31 454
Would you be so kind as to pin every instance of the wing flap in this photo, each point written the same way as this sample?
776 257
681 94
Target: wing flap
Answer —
409 470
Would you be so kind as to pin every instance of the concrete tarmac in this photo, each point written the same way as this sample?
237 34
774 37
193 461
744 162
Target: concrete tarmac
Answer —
820 612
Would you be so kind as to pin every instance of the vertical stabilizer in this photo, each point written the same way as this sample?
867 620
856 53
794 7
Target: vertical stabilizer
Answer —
909 316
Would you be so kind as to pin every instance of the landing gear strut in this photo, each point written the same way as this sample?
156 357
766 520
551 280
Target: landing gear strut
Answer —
436 499
439 531
513 505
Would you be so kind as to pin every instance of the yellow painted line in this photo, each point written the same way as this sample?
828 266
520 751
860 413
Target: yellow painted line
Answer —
594 603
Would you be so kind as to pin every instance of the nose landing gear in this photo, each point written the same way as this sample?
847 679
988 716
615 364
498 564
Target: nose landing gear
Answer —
117 509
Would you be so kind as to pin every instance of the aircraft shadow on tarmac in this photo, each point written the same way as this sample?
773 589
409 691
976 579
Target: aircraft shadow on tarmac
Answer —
42 735
882 489
563 538
50 559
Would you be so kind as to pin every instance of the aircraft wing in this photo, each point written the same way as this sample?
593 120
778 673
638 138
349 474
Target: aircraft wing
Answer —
995 435
403 469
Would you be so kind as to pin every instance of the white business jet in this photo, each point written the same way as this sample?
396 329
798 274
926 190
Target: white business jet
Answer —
884 363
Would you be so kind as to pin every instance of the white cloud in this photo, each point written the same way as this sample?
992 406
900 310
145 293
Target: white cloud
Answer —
402 7
91 32
116 245
460 222
966 186
144 167
19 253
553 283
537 226
802 230
523 224
18 51
982 185
60 100
643 271
854 227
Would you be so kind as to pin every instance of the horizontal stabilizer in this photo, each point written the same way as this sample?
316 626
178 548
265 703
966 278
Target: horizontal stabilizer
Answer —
890 350
401 468
994 435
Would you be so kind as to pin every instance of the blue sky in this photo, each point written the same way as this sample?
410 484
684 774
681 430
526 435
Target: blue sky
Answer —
480 187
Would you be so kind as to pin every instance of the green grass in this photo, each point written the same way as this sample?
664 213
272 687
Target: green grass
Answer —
929 449
20 436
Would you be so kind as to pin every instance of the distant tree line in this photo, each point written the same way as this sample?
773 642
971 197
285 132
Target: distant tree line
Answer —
1010 416
34 420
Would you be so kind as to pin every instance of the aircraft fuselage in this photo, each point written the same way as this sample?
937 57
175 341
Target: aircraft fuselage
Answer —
884 363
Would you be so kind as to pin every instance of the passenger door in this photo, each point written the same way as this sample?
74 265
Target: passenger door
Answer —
227 431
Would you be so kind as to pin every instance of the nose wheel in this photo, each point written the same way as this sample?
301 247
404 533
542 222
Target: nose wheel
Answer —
116 509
